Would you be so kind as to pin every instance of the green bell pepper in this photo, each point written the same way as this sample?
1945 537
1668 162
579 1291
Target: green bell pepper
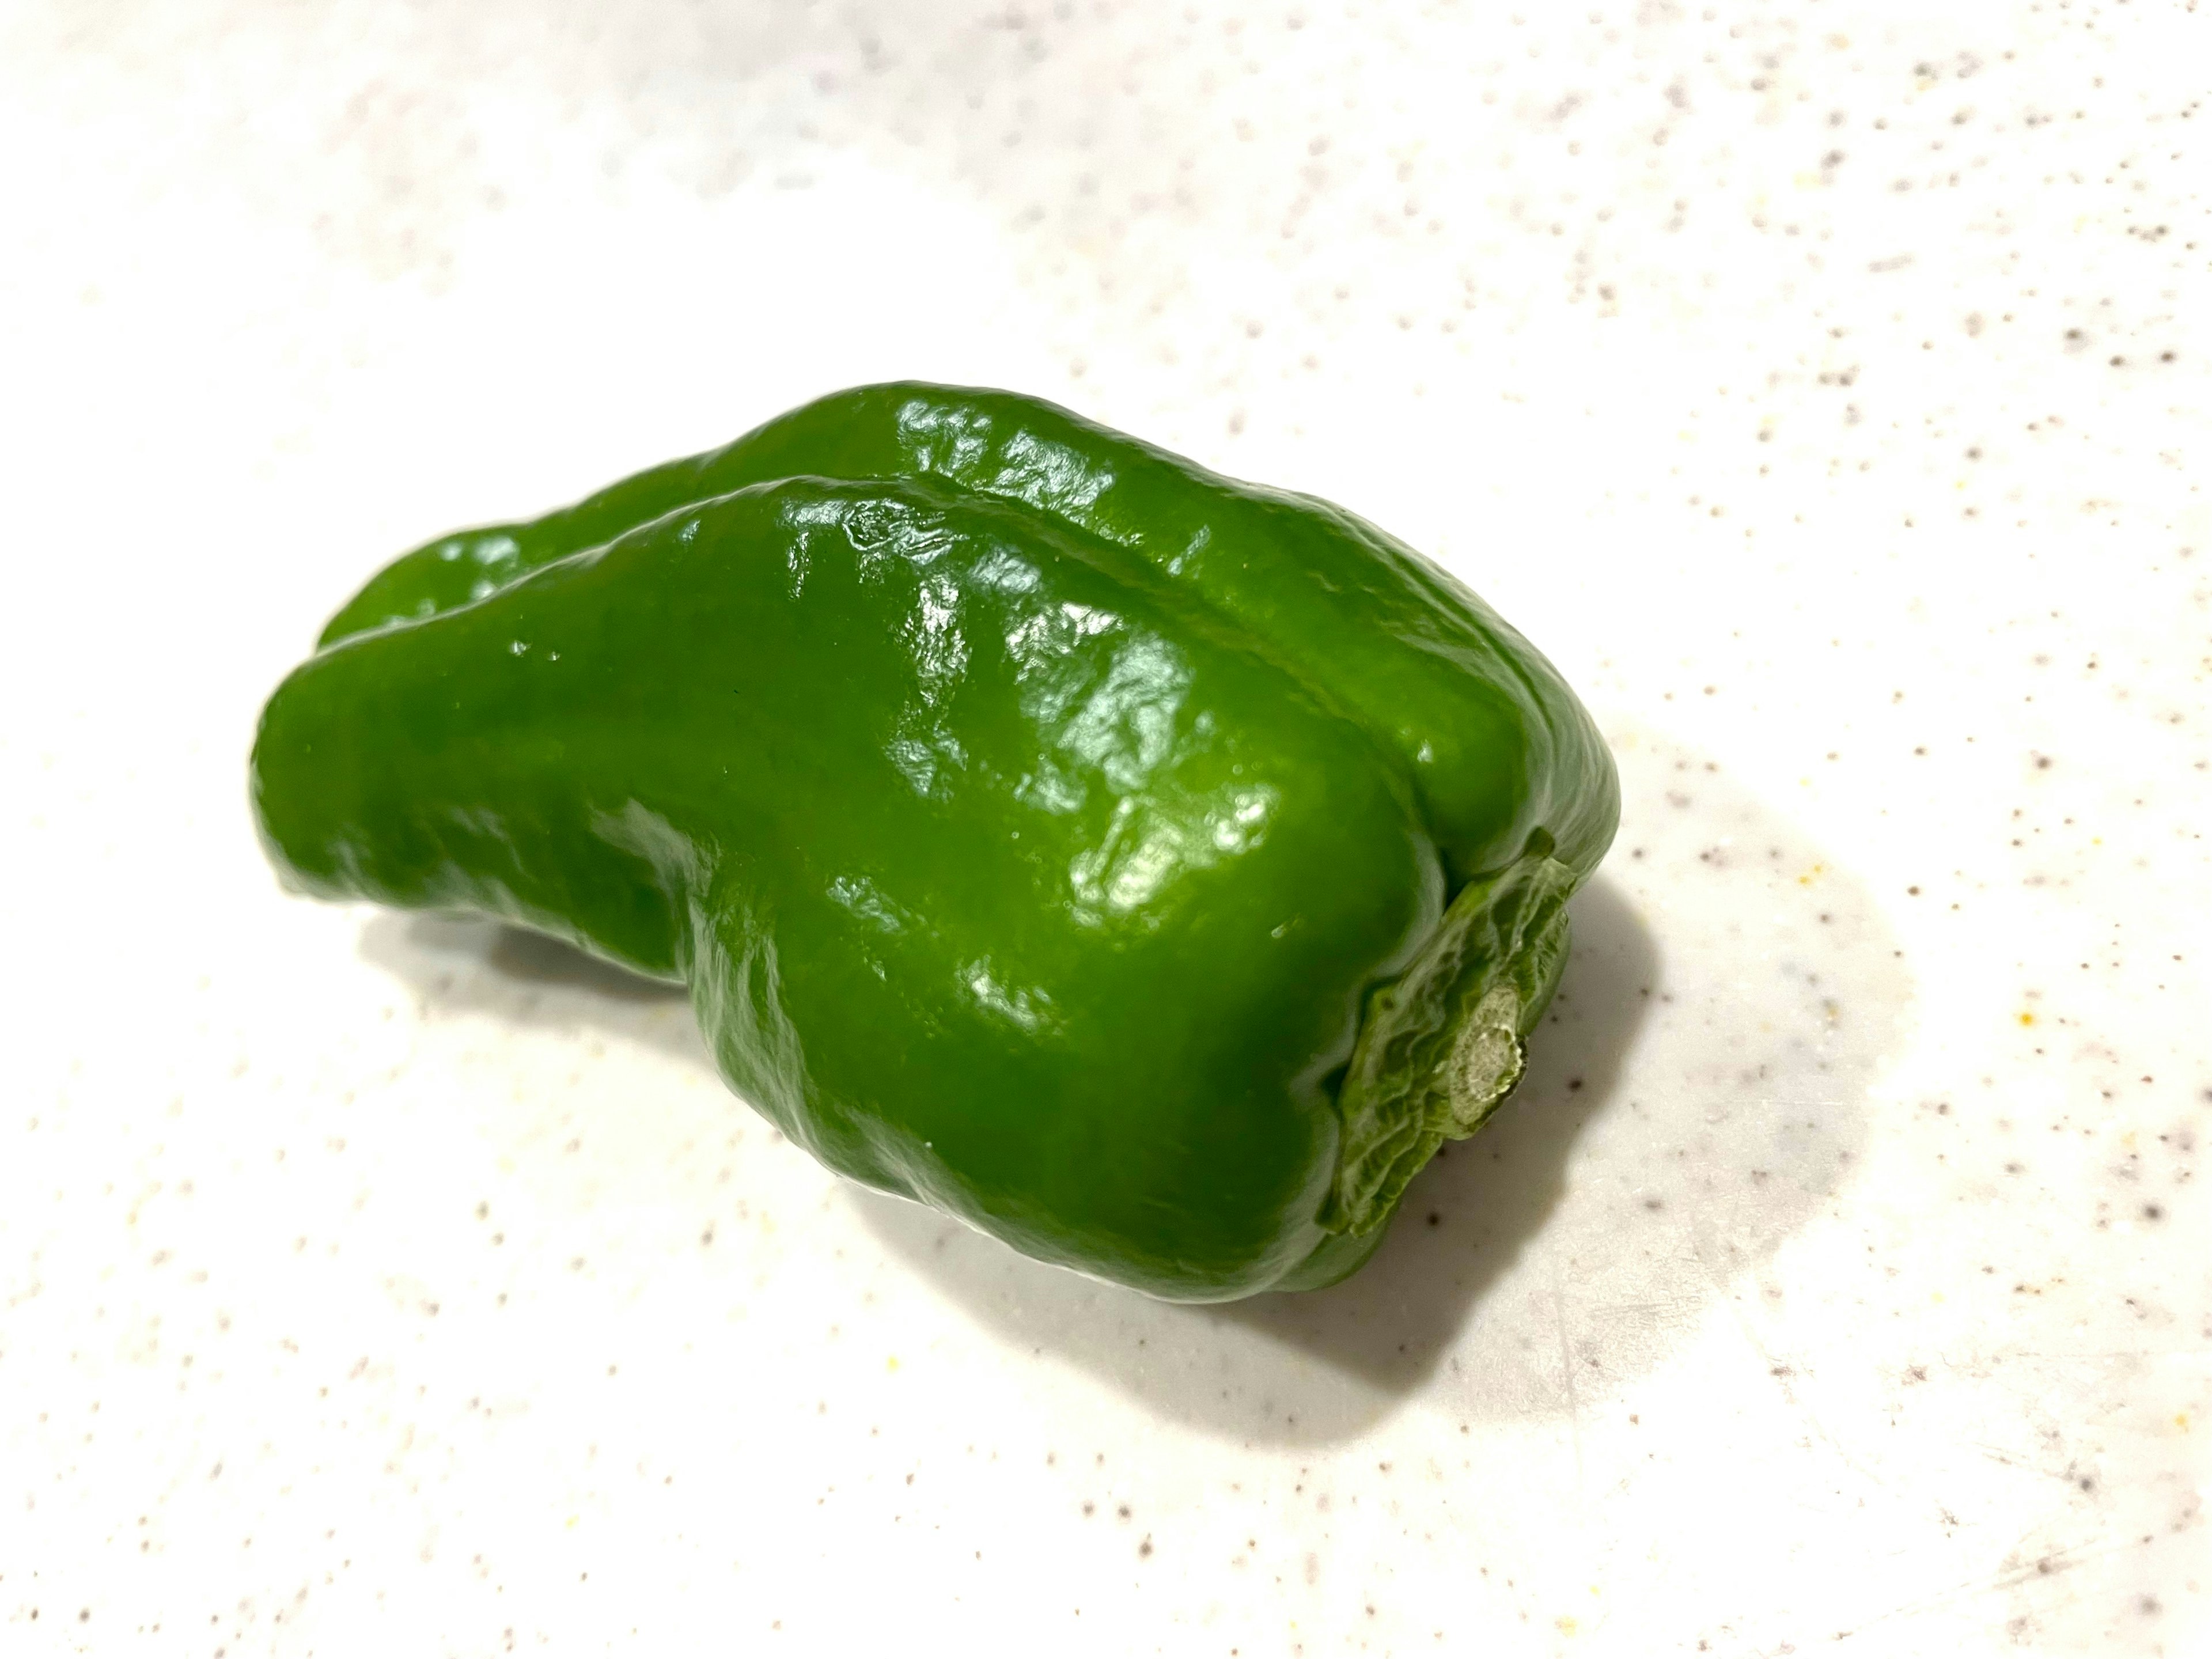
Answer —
1151 869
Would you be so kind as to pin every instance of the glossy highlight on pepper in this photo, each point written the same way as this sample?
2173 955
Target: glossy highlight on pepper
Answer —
1149 868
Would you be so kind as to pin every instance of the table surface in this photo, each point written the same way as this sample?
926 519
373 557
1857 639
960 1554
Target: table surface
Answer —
1822 387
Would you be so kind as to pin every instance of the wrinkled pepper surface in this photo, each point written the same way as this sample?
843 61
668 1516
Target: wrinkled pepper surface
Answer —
1151 869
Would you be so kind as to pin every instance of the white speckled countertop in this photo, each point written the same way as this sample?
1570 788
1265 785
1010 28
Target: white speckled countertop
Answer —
1822 386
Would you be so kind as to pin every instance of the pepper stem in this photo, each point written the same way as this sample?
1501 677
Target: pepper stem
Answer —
1443 1045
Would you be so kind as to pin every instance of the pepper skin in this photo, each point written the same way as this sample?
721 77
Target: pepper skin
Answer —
1149 868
